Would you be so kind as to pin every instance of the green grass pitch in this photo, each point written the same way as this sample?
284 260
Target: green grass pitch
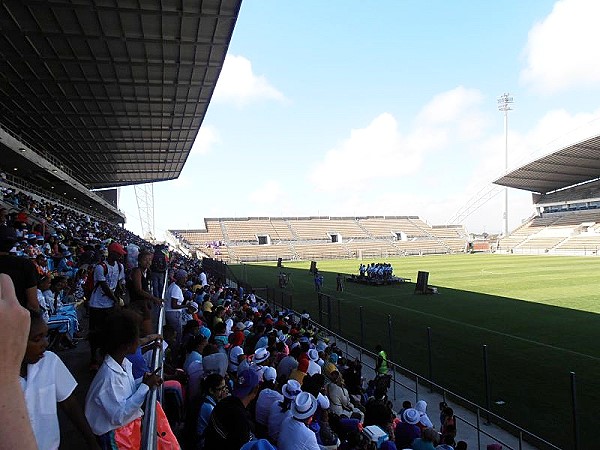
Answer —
538 316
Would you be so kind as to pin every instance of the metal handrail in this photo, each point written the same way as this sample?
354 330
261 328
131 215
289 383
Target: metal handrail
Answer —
149 436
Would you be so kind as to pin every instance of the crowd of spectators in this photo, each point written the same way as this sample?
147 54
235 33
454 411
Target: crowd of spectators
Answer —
235 373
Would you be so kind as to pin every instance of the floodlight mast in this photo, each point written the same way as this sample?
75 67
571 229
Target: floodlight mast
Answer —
504 104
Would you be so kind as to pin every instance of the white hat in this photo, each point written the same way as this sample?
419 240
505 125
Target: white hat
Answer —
261 355
411 416
269 374
194 306
291 389
240 326
248 324
304 405
313 355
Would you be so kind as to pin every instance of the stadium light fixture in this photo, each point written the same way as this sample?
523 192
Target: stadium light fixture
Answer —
504 105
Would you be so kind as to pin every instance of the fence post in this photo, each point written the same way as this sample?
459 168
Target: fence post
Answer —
574 405
362 328
487 384
320 301
329 312
282 303
478 428
430 359
391 357
339 315
291 304
417 389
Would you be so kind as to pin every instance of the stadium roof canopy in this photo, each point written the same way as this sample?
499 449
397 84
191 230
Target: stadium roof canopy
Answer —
574 164
112 92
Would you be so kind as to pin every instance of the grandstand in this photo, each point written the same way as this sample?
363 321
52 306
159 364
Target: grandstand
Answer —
320 237
565 188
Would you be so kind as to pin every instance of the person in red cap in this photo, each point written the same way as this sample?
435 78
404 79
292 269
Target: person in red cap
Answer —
108 276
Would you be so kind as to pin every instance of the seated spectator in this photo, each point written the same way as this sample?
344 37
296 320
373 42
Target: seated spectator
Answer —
281 410
267 395
46 382
21 270
340 398
427 441
424 421
407 430
115 398
294 433
215 390
447 443
230 425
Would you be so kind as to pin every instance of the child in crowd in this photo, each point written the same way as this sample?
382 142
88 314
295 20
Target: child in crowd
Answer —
115 398
46 382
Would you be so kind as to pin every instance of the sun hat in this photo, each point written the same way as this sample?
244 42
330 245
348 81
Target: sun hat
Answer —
261 355
247 380
304 405
240 326
411 416
207 306
291 389
248 324
269 374
193 306
313 355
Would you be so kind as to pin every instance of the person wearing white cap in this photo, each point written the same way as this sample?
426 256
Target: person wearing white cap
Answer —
279 411
294 433
313 365
266 397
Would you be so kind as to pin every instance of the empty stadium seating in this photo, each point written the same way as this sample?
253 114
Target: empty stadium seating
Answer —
289 238
565 233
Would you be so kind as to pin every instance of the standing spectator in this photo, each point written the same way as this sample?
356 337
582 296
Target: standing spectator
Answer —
139 286
46 382
107 277
230 425
203 278
159 269
21 270
381 365
339 283
115 398
175 303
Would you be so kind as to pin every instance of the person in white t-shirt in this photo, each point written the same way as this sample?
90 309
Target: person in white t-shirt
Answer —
203 278
108 275
46 382
175 304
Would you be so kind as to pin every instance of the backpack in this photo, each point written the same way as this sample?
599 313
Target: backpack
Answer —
159 262
89 286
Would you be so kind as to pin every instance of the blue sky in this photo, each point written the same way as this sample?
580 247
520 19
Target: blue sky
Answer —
385 108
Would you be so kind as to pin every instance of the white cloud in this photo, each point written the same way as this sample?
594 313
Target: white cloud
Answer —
562 50
380 150
205 139
268 193
239 84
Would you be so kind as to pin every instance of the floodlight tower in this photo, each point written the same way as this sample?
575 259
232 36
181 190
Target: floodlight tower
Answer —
144 195
504 104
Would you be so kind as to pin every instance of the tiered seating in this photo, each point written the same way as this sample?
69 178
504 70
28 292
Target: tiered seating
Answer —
582 244
309 229
380 227
310 237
